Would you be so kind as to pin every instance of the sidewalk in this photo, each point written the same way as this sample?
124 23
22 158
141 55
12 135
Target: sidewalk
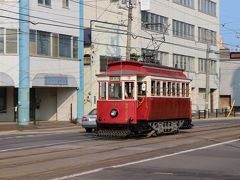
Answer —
13 126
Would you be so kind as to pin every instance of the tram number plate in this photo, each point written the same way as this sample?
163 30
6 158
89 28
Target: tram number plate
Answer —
114 78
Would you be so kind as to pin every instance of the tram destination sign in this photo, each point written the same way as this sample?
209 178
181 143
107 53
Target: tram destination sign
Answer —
115 78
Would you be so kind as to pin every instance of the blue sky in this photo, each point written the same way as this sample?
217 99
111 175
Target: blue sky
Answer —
230 22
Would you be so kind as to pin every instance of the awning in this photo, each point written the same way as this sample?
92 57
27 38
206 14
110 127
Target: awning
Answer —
6 80
54 80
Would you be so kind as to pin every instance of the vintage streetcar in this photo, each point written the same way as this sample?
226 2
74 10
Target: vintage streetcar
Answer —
142 98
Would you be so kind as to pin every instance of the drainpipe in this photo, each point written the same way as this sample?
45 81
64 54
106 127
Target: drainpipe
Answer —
80 92
23 91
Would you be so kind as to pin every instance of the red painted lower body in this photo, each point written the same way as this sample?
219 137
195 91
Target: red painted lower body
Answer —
148 109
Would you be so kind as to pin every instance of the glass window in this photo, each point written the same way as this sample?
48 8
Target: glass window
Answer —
173 89
102 90
33 42
129 90
45 2
187 89
154 22
158 88
207 7
178 89
169 88
43 43
65 3
153 88
55 45
115 90
164 89
183 30
142 88
64 46
75 47
11 41
183 90
1 40
3 100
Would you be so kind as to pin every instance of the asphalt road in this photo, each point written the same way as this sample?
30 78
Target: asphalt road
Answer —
211 150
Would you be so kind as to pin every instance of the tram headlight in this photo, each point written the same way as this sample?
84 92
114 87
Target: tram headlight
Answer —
114 113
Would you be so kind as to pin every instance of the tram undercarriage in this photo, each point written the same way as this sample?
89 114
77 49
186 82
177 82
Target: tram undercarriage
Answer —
146 128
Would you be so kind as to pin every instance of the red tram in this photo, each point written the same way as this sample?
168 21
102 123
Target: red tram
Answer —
142 98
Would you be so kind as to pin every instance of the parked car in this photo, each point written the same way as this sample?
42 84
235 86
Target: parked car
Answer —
89 121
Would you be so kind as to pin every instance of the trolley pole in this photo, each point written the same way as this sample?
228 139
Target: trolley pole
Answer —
207 80
129 30
80 91
23 91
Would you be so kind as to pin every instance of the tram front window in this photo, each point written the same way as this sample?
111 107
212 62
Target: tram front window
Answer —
115 90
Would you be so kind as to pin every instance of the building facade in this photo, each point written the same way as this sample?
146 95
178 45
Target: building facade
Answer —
54 65
229 78
174 33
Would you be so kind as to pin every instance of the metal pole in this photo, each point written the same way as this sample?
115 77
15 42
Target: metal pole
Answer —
207 80
23 91
80 92
129 31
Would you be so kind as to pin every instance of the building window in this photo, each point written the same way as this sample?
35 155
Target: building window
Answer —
3 100
75 47
211 65
65 3
1 40
33 41
183 30
186 3
64 46
43 43
207 7
206 36
44 2
184 62
154 56
55 42
154 22
11 41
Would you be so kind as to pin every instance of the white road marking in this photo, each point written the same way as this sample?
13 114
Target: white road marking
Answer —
145 160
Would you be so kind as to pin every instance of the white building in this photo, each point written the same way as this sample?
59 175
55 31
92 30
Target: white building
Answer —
229 79
173 32
54 65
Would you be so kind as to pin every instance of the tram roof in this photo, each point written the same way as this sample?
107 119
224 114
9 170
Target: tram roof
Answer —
131 68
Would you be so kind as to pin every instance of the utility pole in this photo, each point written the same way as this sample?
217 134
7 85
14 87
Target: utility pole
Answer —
129 30
207 79
80 91
23 90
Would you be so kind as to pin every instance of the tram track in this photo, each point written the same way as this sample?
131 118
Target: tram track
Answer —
116 145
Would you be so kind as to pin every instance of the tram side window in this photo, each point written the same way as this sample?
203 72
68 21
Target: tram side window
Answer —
142 88
187 89
129 90
183 90
169 88
178 89
164 89
102 90
173 89
115 90
158 88
153 88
